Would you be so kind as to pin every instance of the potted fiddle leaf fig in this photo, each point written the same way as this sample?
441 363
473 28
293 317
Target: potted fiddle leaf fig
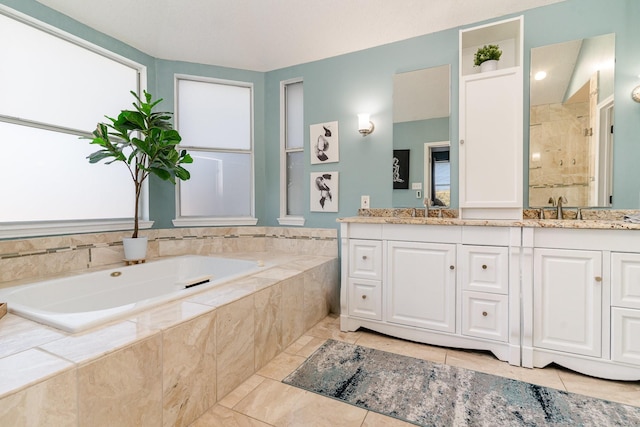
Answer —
487 57
146 143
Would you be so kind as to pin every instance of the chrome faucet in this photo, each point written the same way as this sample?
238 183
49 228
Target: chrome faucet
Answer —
427 203
561 200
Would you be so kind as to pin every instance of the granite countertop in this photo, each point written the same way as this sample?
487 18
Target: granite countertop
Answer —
390 216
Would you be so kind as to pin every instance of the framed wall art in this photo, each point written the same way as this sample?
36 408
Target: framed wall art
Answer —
324 191
401 169
324 143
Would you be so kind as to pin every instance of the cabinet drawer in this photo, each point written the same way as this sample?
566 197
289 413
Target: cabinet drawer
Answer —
625 280
625 335
365 259
485 315
365 298
486 268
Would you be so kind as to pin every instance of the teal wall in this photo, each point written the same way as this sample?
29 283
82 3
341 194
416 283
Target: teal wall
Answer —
338 88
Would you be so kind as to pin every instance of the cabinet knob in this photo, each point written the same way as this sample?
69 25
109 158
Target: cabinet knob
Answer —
364 297
598 279
451 267
484 266
462 142
484 313
364 257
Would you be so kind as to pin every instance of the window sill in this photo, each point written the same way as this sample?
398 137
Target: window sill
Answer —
17 230
291 220
214 222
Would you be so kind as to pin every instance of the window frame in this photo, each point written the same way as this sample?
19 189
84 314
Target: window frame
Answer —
59 227
204 221
284 218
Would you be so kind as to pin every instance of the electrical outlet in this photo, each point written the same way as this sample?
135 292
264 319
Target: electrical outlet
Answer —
364 202
418 194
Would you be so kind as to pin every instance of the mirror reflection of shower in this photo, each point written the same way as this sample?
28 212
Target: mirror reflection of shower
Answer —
571 122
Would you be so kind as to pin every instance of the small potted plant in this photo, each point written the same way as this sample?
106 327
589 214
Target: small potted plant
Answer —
145 142
487 57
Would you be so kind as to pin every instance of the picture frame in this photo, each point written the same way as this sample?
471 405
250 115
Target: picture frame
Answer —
324 143
324 191
401 169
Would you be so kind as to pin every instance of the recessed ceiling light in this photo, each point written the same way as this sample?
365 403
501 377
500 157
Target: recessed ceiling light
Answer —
540 75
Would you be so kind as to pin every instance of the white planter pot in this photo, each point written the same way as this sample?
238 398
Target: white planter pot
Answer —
135 249
490 65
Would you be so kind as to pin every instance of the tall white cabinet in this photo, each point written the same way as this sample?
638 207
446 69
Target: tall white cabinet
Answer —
490 124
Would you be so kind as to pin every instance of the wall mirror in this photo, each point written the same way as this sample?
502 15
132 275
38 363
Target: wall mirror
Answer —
421 109
571 122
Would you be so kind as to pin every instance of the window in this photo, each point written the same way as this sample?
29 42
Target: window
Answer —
292 153
215 120
55 88
437 173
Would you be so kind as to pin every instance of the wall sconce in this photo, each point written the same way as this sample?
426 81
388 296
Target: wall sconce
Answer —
635 94
365 126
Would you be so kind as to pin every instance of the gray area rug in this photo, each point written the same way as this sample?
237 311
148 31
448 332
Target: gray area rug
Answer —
432 394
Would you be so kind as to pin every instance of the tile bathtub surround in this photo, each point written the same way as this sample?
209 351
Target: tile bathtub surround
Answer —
25 260
170 364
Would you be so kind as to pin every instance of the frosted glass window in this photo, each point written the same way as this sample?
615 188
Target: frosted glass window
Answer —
215 121
293 149
50 179
220 185
294 115
295 187
53 88
47 79
214 115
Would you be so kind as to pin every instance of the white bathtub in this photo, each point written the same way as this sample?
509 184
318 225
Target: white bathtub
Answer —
80 302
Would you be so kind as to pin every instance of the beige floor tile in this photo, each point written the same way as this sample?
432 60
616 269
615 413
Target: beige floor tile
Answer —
329 327
311 347
282 405
281 366
374 419
487 363
240 392
626 392
398 346
298 344
219 416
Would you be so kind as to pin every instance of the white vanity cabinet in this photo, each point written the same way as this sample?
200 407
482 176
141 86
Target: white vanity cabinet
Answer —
445 285
567 300
421 282
625 310
365 278
490 124
485 289
580 300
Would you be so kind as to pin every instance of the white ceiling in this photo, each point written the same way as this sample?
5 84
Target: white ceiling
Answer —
264 35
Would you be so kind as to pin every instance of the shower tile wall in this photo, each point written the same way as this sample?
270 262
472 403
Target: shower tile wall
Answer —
559 154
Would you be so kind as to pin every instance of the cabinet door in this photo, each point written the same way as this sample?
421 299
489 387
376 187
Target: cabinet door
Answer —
625 335
365 298
365 259
567 295
491 140
421 285
485 315
625 280
485 268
